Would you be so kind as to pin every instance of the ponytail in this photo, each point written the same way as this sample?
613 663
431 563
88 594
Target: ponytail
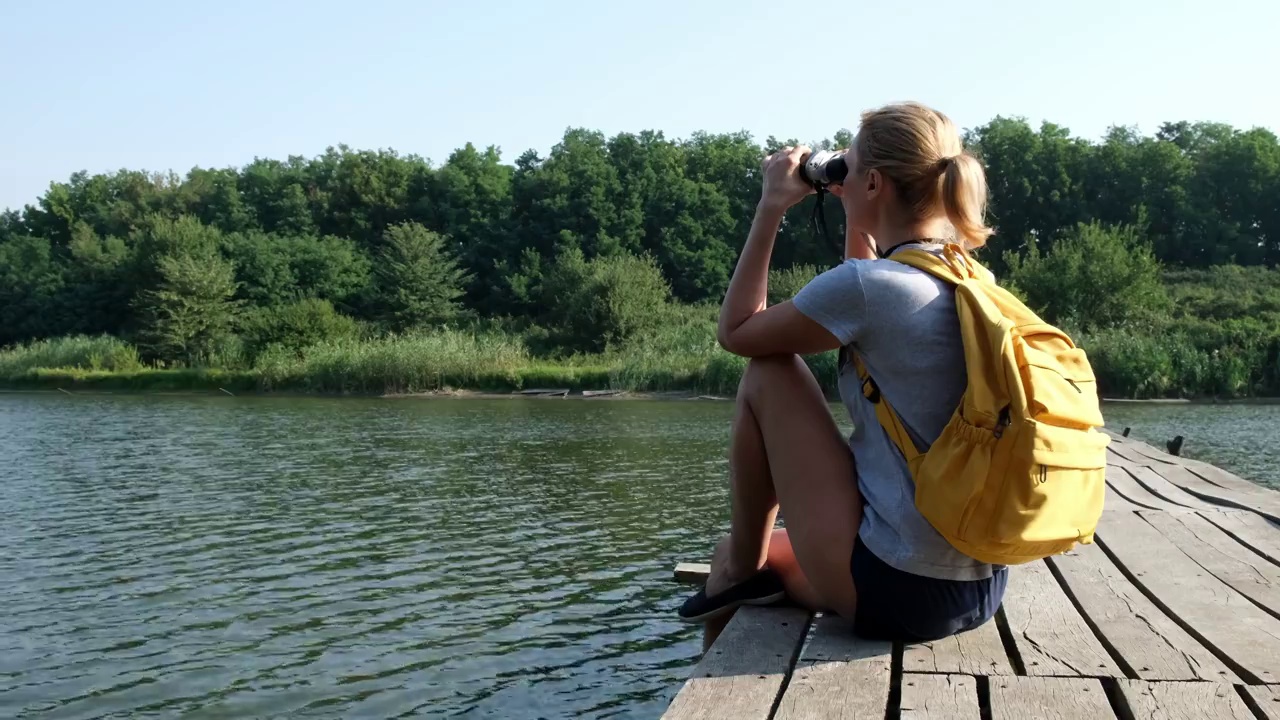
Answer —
964 198
921 151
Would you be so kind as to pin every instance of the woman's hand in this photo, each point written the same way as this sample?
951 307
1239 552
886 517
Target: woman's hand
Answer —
783 186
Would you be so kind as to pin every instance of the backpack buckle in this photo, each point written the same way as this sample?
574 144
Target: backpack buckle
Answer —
871 391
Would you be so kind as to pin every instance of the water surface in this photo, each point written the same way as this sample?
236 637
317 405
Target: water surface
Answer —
277 557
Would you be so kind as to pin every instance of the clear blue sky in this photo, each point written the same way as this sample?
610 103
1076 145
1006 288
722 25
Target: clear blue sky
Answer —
169 85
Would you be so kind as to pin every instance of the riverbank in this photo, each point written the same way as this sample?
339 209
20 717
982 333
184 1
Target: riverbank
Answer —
684 361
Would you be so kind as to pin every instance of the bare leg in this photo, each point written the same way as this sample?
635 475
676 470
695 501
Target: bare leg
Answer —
786 448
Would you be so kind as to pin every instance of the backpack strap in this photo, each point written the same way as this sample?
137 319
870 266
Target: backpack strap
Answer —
886 415
953 266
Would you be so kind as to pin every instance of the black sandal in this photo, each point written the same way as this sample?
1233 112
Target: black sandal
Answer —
763 588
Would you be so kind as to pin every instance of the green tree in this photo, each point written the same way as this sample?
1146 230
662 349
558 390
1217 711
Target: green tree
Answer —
1093 277
190 313
97 293
419 281
470 201
31 282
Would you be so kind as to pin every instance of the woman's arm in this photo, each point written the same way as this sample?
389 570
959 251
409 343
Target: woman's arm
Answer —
746 326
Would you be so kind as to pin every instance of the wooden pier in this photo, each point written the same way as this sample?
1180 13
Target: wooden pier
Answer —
1173 613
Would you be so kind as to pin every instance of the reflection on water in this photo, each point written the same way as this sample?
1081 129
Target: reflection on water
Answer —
355 558
260 557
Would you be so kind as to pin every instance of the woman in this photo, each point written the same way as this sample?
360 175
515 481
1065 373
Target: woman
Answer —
854 542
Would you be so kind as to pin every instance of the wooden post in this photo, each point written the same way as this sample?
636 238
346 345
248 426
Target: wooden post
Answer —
1126 432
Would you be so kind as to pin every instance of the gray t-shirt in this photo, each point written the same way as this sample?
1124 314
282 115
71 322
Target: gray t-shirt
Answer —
903 324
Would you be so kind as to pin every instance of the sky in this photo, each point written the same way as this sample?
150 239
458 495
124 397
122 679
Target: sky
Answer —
161 86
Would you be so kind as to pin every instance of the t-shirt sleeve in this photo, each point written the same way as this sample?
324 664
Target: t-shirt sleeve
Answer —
836 301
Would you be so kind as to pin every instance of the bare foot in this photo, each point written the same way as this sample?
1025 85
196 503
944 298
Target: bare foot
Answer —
724 574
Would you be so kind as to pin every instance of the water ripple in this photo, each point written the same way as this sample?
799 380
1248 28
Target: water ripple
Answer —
236 557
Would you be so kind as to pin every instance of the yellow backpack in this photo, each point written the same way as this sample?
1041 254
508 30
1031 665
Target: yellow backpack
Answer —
1018 472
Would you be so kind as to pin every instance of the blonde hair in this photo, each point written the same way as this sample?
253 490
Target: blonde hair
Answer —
920 150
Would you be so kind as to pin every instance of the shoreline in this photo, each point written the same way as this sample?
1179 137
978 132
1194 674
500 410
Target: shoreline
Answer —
606 394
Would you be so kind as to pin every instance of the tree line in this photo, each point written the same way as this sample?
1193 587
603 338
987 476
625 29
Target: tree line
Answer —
582 244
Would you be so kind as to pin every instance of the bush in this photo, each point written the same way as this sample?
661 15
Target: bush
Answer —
295 326
599 304
1093 277
784 284
79 352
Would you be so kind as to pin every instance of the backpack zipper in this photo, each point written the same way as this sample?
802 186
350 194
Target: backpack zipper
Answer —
1001 423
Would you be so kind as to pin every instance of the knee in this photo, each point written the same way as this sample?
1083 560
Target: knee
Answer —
770 372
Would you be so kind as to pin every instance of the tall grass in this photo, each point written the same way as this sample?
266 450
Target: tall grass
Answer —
682 355
399 364
79 352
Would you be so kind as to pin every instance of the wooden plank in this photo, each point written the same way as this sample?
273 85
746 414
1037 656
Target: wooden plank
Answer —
693 573
1266 698
1154 455
1115 502
1183 701
1244 637
1119 480
1049 634
1191 483
939 697
1223 478
977 652
1149 643
1229 561
742 673
1129 454
1151 480
839 675
1253 531
1042 698
1255 499
1117 460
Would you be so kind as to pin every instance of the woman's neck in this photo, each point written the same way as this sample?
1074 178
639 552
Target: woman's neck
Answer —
891 235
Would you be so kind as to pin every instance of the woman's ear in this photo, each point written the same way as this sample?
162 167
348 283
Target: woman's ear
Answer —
875 183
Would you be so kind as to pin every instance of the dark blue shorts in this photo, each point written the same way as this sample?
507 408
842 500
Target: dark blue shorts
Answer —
897 605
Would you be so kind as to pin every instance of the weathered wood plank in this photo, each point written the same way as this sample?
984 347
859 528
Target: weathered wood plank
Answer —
1219 617
939 697
1215 551
1253 531
839 675
1050 635
1153 646
1157 458
1042 698
1115 502
1267 699
1223 478
1128 453
741 675
977 652
1114 458
694 573
1121 483
1152 480
1255 499
1183 701
1154 455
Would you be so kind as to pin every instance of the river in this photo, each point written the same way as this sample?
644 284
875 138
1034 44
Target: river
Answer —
299 557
